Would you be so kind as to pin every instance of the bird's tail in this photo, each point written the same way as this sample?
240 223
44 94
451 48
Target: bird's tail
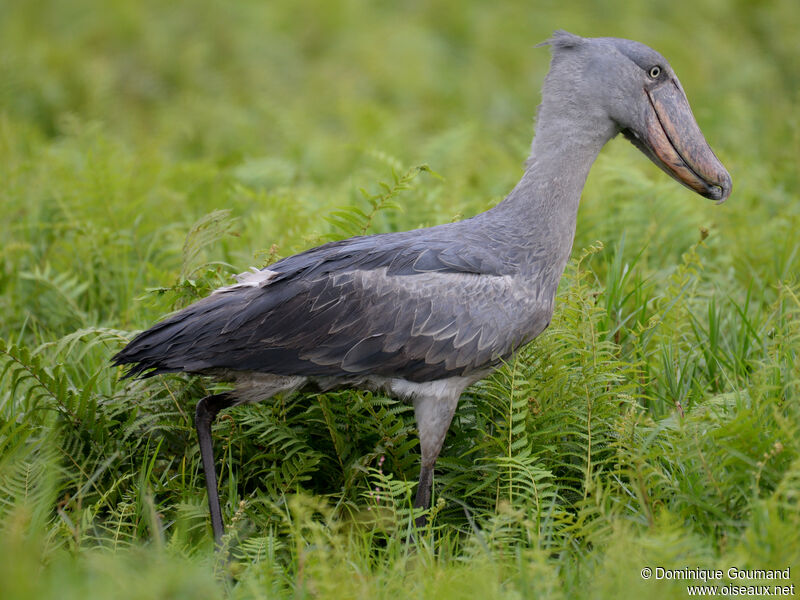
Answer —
148 353
173 345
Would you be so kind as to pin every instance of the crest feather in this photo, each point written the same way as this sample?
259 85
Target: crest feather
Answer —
562 39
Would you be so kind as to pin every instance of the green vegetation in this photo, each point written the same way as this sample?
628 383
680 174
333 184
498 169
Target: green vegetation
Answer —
149 150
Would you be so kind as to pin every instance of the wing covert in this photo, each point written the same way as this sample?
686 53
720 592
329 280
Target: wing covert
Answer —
425 326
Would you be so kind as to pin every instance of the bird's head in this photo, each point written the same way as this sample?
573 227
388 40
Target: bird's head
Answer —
624 86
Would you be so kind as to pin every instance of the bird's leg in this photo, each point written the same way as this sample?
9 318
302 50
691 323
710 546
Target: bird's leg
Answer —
204 416
433 415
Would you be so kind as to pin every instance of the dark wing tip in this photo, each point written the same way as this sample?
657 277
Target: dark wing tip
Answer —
144 355
133 368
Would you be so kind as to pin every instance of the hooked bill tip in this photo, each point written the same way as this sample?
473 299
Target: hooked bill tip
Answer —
721 191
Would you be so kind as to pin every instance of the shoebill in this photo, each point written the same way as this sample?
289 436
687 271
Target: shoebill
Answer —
420 315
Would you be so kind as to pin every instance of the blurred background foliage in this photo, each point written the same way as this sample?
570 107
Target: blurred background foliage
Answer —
655 423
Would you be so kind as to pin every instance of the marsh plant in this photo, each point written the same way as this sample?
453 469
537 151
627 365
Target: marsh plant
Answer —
655 422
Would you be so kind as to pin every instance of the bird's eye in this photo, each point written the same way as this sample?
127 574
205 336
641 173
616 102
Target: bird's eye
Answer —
654 72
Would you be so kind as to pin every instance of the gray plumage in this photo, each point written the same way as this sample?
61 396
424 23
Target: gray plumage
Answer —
423 314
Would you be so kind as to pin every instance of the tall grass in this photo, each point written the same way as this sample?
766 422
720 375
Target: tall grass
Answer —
149 151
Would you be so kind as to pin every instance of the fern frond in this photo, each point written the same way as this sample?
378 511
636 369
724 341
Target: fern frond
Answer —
204 232
352 220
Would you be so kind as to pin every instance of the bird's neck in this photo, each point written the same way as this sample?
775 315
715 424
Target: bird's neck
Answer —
541 210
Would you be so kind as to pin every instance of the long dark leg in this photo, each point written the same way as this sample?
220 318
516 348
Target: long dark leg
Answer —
433 415
204 416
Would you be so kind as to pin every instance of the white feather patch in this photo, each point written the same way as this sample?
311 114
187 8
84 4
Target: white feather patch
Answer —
252 278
